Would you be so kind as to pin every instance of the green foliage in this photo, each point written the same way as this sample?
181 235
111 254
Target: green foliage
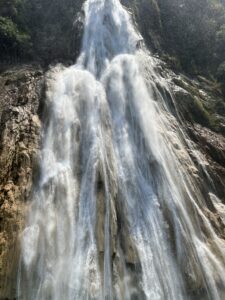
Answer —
12 40
200 113
221 75
221 72
38 29
50 24
191 32
220 42
15 41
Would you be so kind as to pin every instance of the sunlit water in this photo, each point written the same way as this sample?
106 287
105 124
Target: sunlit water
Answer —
116 213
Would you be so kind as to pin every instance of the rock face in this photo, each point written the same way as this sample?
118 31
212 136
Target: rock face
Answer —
20 94
197 104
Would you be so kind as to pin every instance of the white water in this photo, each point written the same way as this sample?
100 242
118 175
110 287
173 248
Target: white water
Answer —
116 213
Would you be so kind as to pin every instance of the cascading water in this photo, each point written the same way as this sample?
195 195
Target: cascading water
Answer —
116 213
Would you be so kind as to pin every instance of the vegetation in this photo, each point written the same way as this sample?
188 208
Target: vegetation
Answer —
13 41
221 74
38 29
194 31
189 33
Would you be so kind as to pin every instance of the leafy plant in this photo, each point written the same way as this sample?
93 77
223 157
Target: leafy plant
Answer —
12 40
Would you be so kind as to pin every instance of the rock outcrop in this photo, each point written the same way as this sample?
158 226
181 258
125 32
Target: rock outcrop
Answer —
198 104
20 98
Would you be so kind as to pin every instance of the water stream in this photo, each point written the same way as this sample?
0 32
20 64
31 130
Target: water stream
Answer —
117 213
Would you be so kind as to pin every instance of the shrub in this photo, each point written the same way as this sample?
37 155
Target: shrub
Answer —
12 40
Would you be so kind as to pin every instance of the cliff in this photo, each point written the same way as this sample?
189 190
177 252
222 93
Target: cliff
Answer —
21 104
20 99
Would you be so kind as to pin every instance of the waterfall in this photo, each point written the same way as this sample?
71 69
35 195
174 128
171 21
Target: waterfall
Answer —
116 213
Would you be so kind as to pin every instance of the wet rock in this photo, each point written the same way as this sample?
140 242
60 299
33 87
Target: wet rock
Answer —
199 101
20 94
212 146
